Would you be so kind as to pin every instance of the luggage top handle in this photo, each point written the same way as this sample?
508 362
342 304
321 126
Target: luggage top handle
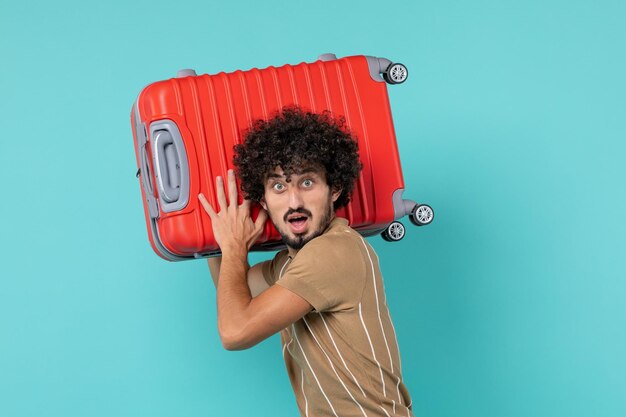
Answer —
171 168
168 164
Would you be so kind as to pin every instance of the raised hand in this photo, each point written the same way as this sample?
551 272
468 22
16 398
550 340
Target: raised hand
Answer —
233 227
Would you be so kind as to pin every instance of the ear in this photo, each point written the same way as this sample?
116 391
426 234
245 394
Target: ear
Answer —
336 194
263 204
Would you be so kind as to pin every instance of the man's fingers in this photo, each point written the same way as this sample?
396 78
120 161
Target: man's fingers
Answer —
232 189
207 207
259 223
221 196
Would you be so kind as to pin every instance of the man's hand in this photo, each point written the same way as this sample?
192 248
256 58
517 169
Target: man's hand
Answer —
233 228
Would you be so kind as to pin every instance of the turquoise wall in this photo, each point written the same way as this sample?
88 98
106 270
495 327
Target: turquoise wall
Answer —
511 126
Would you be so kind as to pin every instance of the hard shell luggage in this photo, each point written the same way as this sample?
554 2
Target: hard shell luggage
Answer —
185 128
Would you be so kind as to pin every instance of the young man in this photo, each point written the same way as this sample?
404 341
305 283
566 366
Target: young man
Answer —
325 292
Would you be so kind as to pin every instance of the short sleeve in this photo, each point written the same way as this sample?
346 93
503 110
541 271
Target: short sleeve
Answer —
328 272
271 268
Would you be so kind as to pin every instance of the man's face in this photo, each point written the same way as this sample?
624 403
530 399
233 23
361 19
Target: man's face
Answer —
300 208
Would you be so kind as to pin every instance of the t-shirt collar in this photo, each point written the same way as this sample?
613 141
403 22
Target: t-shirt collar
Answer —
334 222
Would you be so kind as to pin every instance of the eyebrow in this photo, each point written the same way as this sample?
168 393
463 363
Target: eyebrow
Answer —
306 171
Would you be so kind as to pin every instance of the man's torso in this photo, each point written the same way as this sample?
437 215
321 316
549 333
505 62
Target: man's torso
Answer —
342 358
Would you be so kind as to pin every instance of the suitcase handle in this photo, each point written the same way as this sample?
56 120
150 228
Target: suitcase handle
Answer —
170 165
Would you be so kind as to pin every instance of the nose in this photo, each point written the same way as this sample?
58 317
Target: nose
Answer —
295 198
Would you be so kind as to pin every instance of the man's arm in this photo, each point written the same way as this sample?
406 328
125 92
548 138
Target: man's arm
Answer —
244 321
256 281
214 268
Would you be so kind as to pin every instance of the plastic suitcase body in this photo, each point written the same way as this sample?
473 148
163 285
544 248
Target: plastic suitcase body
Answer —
185 128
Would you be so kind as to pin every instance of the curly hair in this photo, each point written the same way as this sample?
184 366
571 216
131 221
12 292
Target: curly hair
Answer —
296 140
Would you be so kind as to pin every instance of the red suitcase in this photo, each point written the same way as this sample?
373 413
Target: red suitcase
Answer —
185 128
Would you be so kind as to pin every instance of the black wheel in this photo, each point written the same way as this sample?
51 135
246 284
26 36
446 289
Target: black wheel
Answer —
394 232
421 215
396 74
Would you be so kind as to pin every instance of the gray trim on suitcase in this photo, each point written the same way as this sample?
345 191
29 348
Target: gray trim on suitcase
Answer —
377 66
327 57
264 247
187 72
171 168
144 166
401 207
156 239
146 181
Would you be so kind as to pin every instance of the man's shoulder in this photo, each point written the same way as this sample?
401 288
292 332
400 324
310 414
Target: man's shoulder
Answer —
339 240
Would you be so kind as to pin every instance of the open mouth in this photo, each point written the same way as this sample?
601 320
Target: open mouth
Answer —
298 223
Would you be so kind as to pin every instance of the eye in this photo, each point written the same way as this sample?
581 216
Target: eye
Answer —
307 183
278 186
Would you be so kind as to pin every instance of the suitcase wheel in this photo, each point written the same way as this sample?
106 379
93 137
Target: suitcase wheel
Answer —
421 215
394 232
396 74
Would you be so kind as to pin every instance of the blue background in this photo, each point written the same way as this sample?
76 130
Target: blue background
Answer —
511 125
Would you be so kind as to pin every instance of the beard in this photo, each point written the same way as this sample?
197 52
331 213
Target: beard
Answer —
302 239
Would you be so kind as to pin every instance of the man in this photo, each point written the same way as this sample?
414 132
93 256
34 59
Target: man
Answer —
324 293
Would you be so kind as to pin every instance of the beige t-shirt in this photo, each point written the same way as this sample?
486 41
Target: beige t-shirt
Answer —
342 358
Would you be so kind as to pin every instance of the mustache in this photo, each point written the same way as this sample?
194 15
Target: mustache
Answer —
300 210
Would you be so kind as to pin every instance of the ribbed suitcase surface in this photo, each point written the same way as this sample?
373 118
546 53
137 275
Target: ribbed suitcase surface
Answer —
198 120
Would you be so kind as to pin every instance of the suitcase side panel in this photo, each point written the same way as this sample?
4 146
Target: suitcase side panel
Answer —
141 177
177 231
380 141
144 174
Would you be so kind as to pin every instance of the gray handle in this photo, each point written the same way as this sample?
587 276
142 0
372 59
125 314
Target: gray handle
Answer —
167 166
171 167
